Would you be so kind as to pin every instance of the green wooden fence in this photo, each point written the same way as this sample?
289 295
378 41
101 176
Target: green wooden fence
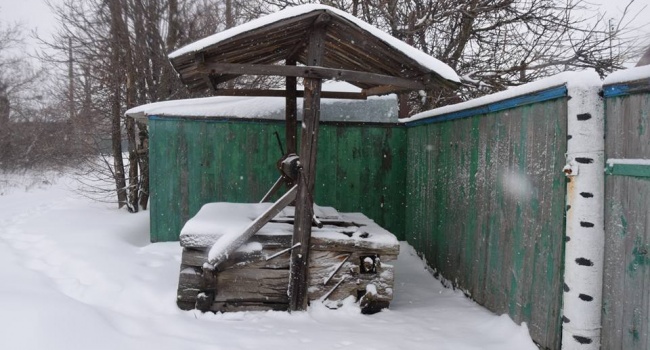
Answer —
486 207
360 168
626 291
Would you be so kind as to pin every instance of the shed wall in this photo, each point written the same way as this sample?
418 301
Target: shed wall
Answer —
360 168
626 290
485 208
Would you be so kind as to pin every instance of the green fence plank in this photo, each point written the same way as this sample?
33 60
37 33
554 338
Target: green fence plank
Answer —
629 169
626 302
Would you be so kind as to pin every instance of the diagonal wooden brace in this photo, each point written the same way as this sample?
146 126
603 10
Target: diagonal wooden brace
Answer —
255 226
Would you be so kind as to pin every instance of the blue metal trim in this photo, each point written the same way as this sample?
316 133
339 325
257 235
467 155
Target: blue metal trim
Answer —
627 88
539 96
616 90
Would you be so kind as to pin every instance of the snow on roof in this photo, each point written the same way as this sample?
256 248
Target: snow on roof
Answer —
570 79
423 59
375 109
630 74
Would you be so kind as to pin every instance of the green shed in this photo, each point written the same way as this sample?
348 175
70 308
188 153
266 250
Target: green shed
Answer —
225 149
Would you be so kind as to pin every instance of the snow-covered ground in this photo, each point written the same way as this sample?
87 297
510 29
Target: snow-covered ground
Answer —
78 274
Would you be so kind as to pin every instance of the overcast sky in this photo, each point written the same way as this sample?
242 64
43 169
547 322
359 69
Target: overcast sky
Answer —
36 15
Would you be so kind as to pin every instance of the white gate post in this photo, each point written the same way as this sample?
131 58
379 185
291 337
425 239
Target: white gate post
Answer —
585 237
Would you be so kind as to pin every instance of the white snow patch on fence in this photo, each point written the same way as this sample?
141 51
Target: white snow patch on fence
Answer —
570 79
627 75
613 161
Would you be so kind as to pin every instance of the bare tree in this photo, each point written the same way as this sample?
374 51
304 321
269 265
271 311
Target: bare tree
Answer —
32 134
494 44
120 60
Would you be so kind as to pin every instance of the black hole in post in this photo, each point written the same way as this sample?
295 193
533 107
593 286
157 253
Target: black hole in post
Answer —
586 224
585 297
584 160
582 340
584 262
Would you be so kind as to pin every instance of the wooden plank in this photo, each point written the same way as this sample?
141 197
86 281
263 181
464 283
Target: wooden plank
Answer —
189 278
313 72
298 281
291 111
250 284
384 90
323 243
187 295
255 226
234 306
282 93
198 257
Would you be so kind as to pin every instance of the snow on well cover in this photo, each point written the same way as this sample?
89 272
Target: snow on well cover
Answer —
423 59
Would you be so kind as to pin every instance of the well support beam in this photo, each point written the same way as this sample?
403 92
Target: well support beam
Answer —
312 71
298 281
291 108
282 93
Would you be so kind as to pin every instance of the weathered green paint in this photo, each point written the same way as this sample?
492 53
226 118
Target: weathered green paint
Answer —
637 170
193 162
485 207
626 298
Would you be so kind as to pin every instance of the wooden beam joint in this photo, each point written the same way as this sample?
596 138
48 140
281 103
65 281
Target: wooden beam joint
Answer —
282 93
313 72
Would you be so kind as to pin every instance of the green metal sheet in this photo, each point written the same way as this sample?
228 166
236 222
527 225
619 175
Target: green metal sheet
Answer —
636 170
485 207
360 168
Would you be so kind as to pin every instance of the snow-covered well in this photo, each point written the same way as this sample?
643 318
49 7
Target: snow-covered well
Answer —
350 256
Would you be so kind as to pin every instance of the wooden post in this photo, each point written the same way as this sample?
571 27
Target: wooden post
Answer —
291 109
403 106
298 281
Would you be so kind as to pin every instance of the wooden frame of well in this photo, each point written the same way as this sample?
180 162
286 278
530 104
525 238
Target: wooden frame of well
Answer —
328 46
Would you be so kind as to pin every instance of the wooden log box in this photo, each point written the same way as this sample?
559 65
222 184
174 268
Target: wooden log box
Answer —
349 257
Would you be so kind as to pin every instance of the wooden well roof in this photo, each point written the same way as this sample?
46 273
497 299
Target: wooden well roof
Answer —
355 52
